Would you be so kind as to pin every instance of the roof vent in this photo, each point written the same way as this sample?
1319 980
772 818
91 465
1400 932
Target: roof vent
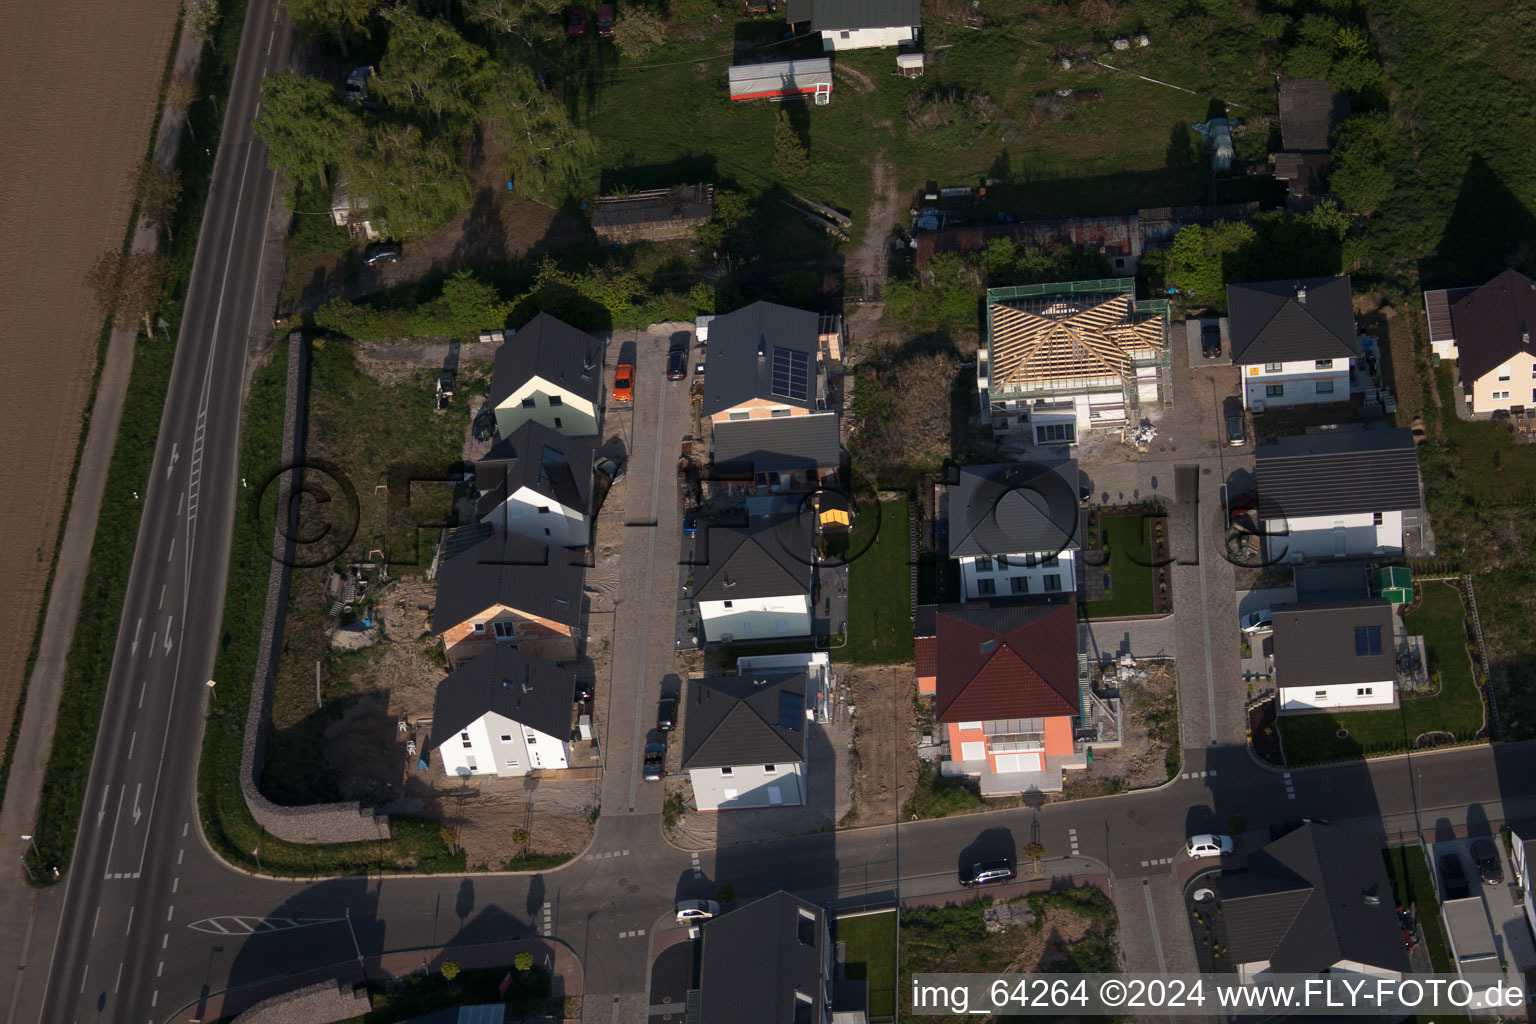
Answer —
762 348
526 687
988 646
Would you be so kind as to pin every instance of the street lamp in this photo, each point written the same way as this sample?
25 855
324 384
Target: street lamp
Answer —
25 866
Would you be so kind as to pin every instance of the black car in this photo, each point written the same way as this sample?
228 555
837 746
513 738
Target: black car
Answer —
666 713
987 872
677 364
1453 878
1489 869
1210 341
655 758
381 252
583 692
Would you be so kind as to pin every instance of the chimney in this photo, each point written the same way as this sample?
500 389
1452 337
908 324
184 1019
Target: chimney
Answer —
1301 294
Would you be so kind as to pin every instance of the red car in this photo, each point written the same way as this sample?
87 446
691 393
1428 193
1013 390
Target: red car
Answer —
605 21
577 26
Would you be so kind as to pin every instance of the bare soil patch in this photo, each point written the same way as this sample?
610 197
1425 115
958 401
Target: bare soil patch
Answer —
68 154
1151 725
884 764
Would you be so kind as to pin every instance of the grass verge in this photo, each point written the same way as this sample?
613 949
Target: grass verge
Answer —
880 588
1456 709
1126 539
89 663
871 957
1412 884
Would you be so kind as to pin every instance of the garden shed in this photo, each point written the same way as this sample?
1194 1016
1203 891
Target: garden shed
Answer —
783 78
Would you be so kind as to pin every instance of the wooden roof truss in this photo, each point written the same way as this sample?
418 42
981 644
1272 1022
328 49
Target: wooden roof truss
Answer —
1070 340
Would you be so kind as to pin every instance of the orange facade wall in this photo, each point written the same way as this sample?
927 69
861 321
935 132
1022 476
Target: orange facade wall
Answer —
541 637
927 684
1058 736
757 409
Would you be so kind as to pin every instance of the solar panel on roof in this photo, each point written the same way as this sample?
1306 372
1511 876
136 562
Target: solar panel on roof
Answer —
791 710
1367 641
791 373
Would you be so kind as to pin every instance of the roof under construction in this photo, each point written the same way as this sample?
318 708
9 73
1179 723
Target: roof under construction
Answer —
1091 331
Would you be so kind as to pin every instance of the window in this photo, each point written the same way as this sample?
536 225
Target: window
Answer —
505 629
478 627
557 422
1273 367
1019 584
727 771
780 412
1002 562
781 625
769 769
741 415
528 402
1362 691
1274 391
470 764
986 588
1055 433
746 627
1500 395
1324 364
555 401
1503 374
728 604
1325 387
1375 518
532 739
506 737
543 510
1119 262
1050 561
1053 581
1319 694
511 764
984 564
844 34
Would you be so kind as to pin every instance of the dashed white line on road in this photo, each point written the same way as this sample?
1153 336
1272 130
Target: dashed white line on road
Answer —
175 884
161 603
131 740
180 854
164 939
160 970
170 912
130 922
142 687
118 983
154 997
95 921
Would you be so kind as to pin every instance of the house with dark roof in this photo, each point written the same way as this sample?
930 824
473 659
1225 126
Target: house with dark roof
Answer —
551 373
1015 528
538 483
1009 691
744 735
753 582
1293 342
763 363
1487 330
857 24
1330 655
503 713
1316 900
1309 112
503 589
791 453
1354 491
769 962
653 214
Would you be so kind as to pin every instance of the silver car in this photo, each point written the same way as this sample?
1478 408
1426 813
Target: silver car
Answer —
689 911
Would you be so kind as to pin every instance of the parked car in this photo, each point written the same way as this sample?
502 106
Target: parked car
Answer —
689 911
1208 844
583 692
690 527
624 383
381 252
1489 868
987 872
677 359
605 21
655 760
1242 505
576 27
611 470
1452 878
1210 340
1236 437
666 713
1256 622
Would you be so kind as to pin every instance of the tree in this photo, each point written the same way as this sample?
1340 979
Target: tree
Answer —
130 284
638 32
157 191
731 208
726 893
1036 853
430 68
523 961
546 154
450 969
1360 176
180 94
305 126
414 184
533 22
335 18
202 17
789 154
1197 260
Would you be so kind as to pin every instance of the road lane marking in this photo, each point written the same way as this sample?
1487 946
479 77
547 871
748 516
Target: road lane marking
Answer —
131 740
152 644
102 812
84 972
184 826
143 685
180 854
133 648
179 499
121 792
175 885
95 921
154 998
137 814
160 970
170 912
161 603
165 939
172 552
130 922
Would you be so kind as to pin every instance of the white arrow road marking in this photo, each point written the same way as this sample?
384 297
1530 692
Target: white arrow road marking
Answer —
103 812
136 812
133 648
175 454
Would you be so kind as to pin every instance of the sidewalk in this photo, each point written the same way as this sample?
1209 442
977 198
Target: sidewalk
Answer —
40 715
551 954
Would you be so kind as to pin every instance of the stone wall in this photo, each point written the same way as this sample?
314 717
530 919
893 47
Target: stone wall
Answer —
314 823
321 1003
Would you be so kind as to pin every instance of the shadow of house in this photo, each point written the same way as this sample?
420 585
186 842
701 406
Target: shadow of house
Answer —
1490 228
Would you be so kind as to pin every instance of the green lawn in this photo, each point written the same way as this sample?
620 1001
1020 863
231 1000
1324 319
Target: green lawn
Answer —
1130 581
1411 883
871 951
1457 708
880 587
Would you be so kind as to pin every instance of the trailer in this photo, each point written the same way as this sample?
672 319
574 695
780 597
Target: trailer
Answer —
779 79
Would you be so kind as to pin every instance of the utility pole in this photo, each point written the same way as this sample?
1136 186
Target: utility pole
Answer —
361 965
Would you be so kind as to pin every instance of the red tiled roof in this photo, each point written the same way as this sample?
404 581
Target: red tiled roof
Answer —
1006 662
927 657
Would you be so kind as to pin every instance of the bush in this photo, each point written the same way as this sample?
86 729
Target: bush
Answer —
523 961
450 969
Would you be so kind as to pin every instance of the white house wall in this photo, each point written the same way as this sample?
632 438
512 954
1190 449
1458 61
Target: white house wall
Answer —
756 618
489 754
1520 853
861 38
1316 538
1337 695
561 526
573 417
748 786
1034 578
1299 379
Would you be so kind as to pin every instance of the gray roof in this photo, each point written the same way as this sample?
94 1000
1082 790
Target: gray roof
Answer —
1493 323
1309 112
755 959
837 15
1015 507
734 720
551 349
780 444
1337 472
1277 321
742 355
530 691
541 459
1323 643
1303 904
765 558
654 206
508 569
1331 581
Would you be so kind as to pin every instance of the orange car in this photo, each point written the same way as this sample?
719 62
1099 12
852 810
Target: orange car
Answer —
624 383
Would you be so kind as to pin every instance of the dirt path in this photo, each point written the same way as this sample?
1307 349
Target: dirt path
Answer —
68 154
869 259
886 765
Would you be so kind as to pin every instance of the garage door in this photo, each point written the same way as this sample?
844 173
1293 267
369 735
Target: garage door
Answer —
1018 762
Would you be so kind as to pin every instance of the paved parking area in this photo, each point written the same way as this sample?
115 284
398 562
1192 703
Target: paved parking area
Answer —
1196 346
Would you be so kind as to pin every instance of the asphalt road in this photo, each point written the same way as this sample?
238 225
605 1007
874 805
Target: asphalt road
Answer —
119 932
